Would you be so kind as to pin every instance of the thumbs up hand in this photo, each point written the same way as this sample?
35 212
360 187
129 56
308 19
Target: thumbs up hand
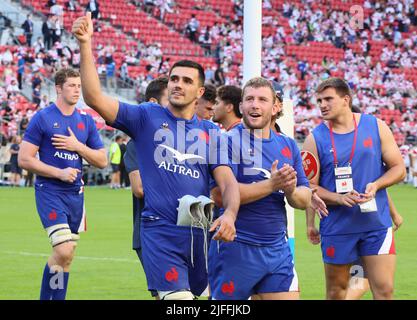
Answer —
82 28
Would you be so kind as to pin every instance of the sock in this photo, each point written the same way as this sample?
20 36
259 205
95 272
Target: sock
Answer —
60 292
46 291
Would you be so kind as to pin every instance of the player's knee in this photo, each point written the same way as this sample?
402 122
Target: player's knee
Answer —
383 290
64 253
176 295
337 291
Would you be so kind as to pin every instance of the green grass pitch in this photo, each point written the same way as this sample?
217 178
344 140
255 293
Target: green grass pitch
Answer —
105 266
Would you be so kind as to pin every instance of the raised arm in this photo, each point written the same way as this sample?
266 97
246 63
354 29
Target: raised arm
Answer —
106 106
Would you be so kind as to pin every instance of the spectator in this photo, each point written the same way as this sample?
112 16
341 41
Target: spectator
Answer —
36 95
39 45
209 75
94 8
20 70
192 28
238 9
75 59
28 29
124 73
36 80
13 87
47 32
2 23
164 6
7 35
302 67
111 75
7 57
23 125
149 5
115 159
51 3
57 27
44 102
124 178
70 5
57 10
206 41
16 171
219 76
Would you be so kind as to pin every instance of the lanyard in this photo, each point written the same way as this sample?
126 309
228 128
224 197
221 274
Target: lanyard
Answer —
334 146
233 125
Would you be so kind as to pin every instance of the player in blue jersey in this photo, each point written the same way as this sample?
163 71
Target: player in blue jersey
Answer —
156 92
358 160
226 107
176 162
63 136
268 167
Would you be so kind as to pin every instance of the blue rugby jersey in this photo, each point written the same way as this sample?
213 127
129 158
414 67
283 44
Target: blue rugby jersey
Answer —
262 222
367 166
176 157
49 121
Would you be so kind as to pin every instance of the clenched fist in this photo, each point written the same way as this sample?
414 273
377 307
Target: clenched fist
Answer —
82 28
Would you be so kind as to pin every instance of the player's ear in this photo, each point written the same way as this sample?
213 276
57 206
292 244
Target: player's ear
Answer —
275 107
200 92
240 108
229 107
346 98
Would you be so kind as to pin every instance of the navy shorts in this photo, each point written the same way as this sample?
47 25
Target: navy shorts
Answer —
115 167
238 270
58 207
348 248
168 260
14 168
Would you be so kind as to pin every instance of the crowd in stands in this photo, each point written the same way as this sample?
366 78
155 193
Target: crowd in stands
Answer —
377 56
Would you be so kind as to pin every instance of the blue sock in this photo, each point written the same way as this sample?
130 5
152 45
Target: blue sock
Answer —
46 291
60 292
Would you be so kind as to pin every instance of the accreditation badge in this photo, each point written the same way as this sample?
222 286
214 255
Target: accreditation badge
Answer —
344 181
369 206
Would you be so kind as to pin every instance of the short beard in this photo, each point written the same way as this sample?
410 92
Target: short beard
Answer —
265 125
180 106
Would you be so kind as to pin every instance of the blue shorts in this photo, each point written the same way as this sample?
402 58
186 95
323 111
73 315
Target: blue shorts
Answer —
168 261
346 249
58 207
238 270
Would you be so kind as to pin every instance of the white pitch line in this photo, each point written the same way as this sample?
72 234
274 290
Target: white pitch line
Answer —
32 254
